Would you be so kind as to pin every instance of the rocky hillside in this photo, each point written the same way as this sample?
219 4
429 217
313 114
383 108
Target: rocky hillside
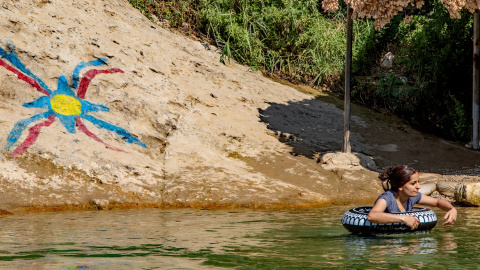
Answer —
102 108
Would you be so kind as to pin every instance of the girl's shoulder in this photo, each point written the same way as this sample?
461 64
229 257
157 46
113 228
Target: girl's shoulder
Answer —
389 197
387 194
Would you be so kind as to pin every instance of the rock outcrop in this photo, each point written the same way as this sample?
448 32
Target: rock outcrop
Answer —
160 122
102 108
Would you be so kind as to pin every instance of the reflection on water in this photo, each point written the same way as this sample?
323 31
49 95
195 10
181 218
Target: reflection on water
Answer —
387 246
226 239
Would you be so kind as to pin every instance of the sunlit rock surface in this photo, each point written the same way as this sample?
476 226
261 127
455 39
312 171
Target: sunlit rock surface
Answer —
200 138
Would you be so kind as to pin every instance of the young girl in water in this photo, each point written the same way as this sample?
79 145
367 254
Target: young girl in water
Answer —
402 196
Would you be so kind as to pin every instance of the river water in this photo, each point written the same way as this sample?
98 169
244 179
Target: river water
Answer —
226 239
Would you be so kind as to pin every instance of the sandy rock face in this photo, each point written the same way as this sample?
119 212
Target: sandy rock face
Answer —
161 121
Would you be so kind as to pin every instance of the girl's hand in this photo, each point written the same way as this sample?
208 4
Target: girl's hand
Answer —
450 216
411 222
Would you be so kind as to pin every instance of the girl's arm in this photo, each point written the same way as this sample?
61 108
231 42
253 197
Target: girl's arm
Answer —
450 216
378 215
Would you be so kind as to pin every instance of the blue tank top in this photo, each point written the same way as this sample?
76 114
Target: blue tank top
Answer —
392 206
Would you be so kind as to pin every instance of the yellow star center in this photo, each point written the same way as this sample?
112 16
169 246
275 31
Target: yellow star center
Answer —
66 105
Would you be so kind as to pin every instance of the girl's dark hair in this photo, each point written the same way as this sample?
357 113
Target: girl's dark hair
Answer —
396 177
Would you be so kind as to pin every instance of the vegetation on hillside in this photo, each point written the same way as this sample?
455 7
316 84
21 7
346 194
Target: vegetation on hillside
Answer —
429 83
290 39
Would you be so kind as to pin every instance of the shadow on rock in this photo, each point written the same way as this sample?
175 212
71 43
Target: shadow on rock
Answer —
309 126
312 126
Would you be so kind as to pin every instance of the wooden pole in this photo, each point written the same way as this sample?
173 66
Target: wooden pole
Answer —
476 78
348 70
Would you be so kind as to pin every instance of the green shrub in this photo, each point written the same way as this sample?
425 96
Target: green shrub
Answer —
434 55
292 39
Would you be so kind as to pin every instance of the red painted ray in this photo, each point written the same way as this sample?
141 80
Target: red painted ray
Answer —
89 75
22 77
33 133
84 129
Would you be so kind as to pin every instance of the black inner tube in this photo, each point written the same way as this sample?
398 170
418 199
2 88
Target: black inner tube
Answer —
355 220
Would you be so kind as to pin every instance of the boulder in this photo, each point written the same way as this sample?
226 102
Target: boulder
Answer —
468 193
387 61
447 188
428 188
351 161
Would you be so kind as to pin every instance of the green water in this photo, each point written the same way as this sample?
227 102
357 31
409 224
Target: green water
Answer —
226 239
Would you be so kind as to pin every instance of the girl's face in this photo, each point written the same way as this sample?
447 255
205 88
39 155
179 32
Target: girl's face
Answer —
411 188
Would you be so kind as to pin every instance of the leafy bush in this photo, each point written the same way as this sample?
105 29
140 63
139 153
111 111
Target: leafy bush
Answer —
433 54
